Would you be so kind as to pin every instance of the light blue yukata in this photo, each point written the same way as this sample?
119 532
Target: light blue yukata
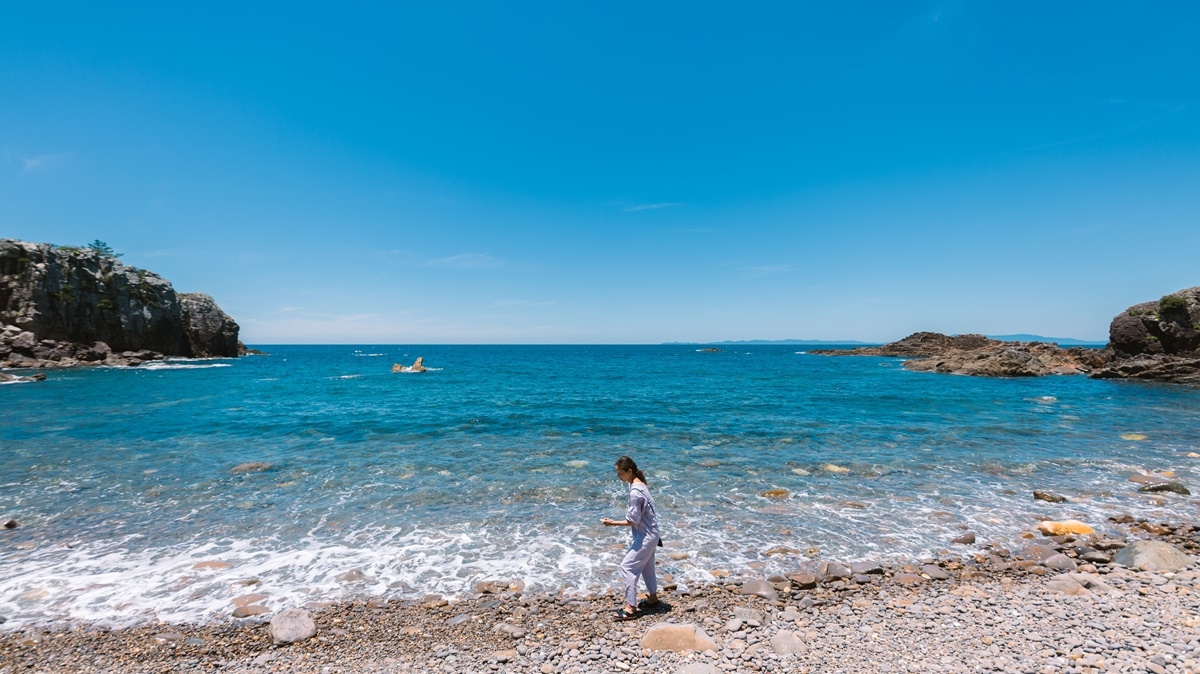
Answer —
639 561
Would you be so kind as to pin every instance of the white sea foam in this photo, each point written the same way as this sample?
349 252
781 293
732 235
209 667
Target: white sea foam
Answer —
167 365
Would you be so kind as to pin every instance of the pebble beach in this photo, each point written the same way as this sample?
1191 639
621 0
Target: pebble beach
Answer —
1058 603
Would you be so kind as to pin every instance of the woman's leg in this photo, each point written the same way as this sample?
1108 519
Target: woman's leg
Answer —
648 574
634 565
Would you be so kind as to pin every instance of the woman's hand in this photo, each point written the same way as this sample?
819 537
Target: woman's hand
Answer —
607 522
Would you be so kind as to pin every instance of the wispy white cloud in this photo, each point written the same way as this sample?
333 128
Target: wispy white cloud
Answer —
467 261
44 162
522 303
767 270
652 207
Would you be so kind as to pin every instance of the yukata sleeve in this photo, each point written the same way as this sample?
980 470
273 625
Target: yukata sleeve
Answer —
635 513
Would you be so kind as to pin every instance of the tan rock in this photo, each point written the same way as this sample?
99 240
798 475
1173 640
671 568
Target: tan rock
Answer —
678 556
247 599
213 564
787 642
776 493
251 610
1050 528
719 573
907 579
677 637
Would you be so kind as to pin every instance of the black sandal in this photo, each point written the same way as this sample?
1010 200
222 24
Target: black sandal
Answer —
644 605
622 615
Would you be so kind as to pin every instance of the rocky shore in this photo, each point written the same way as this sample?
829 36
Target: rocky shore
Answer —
1124 601
1153 341
66 307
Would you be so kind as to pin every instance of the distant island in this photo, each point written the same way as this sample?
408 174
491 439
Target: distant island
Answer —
754 342
1061 341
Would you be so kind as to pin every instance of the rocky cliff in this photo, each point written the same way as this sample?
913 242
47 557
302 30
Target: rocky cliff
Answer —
63 306
1156 341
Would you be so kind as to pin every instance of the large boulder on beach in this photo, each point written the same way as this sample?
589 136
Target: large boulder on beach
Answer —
1152 556
292 625
760 588
1157 340
677 637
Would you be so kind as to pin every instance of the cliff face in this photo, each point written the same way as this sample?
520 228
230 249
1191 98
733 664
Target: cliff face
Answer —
64 305
1157 340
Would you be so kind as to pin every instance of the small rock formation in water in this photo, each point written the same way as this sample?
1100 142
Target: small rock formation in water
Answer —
64 307
980 356
417 366
1157 341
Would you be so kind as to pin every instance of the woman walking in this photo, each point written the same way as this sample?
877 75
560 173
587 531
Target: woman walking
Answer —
639 561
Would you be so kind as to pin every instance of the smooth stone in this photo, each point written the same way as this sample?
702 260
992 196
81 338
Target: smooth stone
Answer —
786 643
251 610
1147 479
1059 562
354 576
747 614
693 668
1065 585
247 599
833 570
760 588
212 565
677 637
966 539
859 568
1051 528
1096 557
1152 556
11 524
775 493
804 581
1175 487
459 619
291 625
907 579
733 625
1039 495
935 572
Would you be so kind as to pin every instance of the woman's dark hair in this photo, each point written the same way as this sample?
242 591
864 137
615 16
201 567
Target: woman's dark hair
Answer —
625 463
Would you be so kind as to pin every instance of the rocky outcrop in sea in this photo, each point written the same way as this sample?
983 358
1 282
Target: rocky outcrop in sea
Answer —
1157 341
62 307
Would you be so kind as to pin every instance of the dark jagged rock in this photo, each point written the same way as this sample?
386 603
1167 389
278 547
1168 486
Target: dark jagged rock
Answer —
1176 487
980 356
1158 341
1040 495
63 307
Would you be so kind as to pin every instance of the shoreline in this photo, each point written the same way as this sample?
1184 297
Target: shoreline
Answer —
980 612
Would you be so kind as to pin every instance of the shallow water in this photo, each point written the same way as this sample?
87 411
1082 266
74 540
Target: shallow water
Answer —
498 464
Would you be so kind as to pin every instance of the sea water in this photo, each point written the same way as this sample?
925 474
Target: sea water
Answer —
497 464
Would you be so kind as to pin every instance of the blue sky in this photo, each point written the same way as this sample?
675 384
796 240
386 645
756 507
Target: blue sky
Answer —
617 172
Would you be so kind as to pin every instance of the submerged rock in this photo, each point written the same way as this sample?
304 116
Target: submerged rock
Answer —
1040 495
966 539
1176 487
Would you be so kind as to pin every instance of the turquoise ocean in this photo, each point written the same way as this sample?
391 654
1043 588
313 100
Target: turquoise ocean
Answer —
497 464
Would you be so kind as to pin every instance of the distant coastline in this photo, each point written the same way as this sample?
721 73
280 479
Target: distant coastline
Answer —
1068 341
